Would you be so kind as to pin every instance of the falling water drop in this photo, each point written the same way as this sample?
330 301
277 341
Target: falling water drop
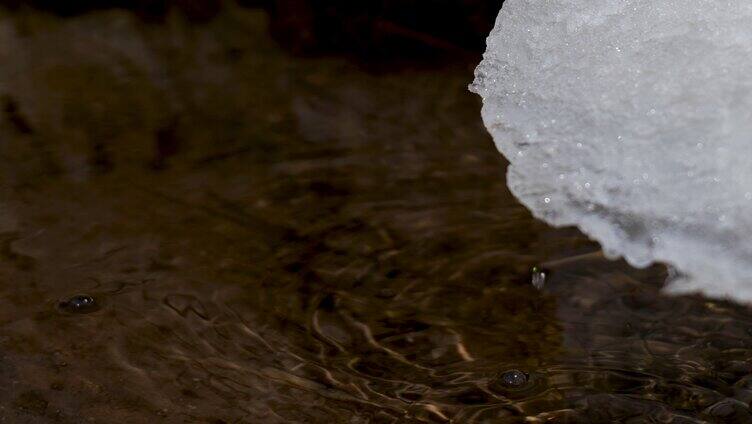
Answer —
538 277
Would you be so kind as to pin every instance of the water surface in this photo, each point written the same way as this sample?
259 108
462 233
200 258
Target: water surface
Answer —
198 227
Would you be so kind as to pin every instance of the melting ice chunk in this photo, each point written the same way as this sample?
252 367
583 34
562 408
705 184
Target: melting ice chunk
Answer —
632 119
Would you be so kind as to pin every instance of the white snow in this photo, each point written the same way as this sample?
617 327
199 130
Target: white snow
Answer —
632 119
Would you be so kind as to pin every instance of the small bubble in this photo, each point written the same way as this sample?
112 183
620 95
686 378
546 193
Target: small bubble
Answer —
513 379
79 304
547 200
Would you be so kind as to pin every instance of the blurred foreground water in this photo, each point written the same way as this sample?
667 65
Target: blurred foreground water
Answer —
198 227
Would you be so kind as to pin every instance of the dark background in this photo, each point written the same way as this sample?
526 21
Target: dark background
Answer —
374 32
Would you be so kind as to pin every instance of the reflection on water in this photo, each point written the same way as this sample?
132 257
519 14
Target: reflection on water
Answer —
197 227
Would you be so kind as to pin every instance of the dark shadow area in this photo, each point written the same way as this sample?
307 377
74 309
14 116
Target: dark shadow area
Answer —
149 10
378 34
385 31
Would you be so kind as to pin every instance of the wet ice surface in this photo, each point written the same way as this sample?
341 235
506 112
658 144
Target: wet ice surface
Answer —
631 120
298 241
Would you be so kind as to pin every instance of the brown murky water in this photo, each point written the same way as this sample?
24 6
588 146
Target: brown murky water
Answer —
269 239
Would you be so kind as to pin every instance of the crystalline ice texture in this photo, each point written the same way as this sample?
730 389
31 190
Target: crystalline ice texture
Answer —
632 119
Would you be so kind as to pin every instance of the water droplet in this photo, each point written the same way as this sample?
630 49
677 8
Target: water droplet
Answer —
79 304
513 379
538 278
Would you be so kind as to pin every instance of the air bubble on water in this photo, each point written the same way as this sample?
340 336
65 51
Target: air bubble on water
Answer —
79 304
513 379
